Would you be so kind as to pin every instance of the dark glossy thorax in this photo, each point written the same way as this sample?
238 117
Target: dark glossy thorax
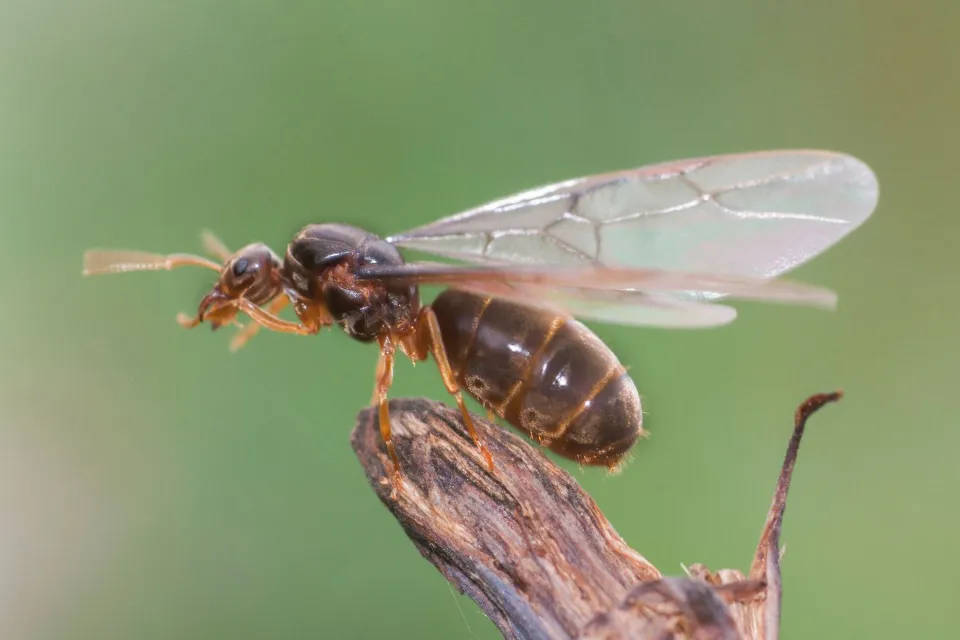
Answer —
319 265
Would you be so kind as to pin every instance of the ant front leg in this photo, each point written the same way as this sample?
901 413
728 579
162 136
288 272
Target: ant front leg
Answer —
384 380
244 335
429 340
310 324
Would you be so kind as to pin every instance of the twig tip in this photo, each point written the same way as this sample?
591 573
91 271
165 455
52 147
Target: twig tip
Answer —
816 402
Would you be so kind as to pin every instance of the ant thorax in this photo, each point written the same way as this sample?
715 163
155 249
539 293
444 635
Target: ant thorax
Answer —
320 265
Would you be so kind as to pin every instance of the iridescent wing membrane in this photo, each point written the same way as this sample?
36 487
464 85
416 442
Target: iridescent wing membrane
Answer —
657 244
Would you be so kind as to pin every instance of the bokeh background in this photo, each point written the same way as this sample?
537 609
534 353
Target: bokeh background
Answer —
153 485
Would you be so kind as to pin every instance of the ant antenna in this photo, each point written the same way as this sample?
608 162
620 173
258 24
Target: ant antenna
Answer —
103 261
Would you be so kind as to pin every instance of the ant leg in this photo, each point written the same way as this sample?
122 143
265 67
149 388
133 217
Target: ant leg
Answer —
187 322
429 339
266 319
269 321
384 380
242 336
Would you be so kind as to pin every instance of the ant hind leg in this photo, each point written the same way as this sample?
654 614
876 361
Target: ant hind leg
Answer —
429 340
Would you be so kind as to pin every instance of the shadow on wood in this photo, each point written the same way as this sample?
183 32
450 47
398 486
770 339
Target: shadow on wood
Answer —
535 552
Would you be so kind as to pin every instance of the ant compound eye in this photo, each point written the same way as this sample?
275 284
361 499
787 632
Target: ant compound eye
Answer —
240 266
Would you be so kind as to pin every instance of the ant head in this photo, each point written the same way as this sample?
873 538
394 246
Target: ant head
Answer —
252 273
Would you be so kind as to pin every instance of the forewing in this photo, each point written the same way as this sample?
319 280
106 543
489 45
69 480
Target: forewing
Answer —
756 214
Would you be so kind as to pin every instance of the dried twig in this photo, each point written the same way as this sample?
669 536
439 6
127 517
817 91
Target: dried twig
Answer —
535 552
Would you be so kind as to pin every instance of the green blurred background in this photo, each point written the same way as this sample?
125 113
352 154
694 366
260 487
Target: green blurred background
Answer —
153 485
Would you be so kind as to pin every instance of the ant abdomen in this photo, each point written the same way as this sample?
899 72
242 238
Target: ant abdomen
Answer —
544 373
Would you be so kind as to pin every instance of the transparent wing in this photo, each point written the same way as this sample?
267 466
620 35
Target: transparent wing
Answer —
592 278
756 215
621 295
636 308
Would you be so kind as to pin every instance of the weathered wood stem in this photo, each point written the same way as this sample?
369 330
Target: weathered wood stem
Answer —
533 550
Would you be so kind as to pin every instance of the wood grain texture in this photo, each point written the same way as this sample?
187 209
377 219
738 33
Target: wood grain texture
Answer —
526 543
533 550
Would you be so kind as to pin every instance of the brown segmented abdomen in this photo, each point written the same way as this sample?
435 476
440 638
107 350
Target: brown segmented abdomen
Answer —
545 374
